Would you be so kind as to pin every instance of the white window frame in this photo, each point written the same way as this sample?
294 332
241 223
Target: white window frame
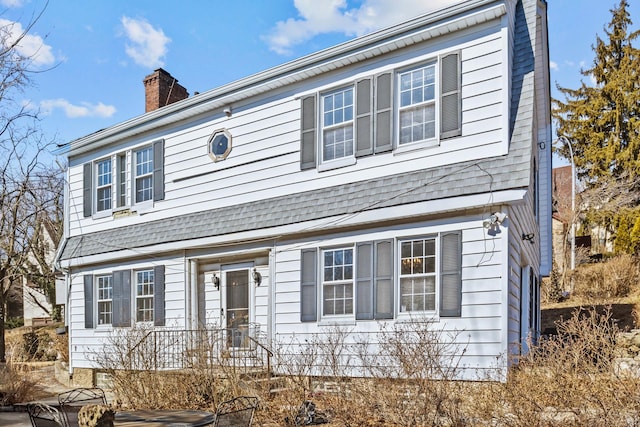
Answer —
98 187
145 174
104 283
403 310
122 180
347 159
429 141
143 289
344 282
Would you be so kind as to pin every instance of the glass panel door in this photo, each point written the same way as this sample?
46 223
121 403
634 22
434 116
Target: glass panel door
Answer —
237 312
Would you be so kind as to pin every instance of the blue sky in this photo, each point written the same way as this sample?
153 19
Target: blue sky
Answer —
96 52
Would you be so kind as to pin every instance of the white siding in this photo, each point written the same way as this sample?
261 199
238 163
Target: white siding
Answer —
264 161
478 330
84 343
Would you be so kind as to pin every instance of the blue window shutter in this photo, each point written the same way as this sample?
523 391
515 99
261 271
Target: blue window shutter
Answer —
158 295
450 96
121 298
384 113
363 124
451 274
158 170
308 133
87 191
89 321
364 281
308 285
383 269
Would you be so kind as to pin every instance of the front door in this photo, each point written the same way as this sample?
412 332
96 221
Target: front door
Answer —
236 310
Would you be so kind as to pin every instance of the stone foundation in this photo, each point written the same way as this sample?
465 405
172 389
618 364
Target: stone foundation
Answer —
83 377
627 359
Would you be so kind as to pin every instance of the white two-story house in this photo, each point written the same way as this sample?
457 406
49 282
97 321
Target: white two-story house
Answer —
401 175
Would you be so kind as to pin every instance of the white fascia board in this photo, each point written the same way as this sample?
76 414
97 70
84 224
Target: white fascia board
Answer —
433 207
463 15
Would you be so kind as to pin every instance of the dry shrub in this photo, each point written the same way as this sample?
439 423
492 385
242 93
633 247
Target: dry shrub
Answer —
17 384
567 379
615 278
134 365
410 375
28 344
411 370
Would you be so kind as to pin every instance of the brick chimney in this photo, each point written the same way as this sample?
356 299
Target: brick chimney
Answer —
161 89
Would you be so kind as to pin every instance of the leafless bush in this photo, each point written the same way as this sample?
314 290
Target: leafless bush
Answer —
567 379
17 384
133 362
410 372
407 374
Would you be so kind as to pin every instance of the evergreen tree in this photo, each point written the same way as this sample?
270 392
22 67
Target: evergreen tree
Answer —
602 119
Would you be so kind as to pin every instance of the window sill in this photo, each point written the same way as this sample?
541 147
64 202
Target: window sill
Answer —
102 214
336 164
414 146
337 322
413 316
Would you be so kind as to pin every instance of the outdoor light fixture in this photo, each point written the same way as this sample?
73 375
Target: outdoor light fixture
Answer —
494 220
528 237
257 277
216 282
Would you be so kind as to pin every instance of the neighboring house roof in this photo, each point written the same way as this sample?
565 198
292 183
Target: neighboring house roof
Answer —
511 171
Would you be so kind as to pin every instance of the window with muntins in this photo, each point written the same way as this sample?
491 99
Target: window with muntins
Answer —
364 280
418 275
337 282
103 185
125 296
390 110
143 174
417 109
121 179
124 179
105 299
144 296
337 124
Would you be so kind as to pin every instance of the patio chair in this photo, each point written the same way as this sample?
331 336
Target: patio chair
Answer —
43 415
71 401
237 412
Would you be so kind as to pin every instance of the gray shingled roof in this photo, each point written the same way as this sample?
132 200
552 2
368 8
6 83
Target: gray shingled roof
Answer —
511 171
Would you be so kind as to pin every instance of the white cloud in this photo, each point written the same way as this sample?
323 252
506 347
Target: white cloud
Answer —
553 65
29 46
85 109
12 4
335 16
147 45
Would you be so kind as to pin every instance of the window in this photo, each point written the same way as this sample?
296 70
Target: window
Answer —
124 297
144 174
425 274
337 282
417 109
220 144
103 187
144 296
382 112
337 125
418 275
124 179
105 299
